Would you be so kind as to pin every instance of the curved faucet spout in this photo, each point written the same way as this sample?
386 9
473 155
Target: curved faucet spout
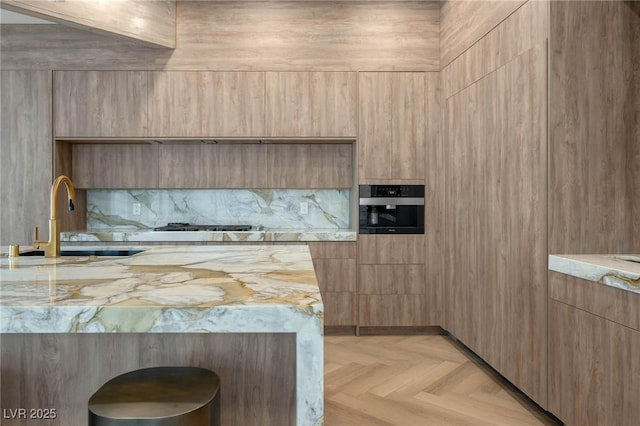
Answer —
52 246
71 194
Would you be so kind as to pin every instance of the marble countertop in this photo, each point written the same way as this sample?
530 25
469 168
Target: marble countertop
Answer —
268 235
177 289
163 289
617 271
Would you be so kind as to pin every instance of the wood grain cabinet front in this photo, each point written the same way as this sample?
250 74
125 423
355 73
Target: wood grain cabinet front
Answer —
25 154
391 121
239 165
206 104
594 348
213 166
111 166
391 281
100 104
311 104
335 266
594 373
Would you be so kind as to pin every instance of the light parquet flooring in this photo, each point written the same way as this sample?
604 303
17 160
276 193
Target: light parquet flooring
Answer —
414 380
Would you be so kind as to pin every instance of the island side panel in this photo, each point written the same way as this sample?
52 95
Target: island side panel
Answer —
257 371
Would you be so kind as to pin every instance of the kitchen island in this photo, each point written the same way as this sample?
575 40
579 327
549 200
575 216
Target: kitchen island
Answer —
594 338
252 313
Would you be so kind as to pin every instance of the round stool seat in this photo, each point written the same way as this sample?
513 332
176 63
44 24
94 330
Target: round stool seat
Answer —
160 396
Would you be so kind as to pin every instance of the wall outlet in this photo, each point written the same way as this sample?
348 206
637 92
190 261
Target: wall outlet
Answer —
304 208
136 209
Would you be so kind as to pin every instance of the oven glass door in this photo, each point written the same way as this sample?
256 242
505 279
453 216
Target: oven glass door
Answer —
398 219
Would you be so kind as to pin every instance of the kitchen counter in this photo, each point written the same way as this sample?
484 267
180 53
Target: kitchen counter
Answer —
176 289
264 235
609 270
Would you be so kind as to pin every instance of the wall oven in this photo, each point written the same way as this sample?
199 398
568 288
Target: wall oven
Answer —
391 209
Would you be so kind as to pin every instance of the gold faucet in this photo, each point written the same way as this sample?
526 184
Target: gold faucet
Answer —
52 247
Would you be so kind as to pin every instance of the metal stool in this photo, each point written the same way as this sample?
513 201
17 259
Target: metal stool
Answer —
160 396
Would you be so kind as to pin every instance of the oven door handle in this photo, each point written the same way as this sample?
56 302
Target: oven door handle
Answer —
392 201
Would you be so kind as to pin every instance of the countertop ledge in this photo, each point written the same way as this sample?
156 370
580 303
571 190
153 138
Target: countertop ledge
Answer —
163 289
613 270
264 235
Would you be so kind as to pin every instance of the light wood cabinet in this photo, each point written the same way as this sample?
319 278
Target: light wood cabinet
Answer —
335 266
310 166
391 249
594 373
115 165
391 310
100 103
200 165
206 104
496 224
391 123
25 154
310 104
213 166
391 280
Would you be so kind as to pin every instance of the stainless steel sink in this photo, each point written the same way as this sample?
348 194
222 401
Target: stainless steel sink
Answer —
110 253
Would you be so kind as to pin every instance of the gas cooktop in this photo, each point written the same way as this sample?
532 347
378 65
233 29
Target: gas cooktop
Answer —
189 227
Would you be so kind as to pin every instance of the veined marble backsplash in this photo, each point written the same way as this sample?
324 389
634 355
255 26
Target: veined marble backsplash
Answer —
280 208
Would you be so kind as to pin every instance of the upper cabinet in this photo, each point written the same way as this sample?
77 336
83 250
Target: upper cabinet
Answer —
206 104
391 126
100 103
311 104
115 165
189 104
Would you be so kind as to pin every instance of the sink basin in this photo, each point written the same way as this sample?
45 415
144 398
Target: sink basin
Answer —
111 253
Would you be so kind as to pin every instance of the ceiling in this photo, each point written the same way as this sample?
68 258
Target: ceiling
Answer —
8 17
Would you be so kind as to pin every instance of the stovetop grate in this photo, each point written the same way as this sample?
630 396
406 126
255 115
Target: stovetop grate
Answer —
179 226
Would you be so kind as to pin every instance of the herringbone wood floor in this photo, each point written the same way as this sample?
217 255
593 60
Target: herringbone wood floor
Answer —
413 380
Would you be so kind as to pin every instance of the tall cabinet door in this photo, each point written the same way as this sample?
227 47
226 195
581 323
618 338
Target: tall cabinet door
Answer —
311 104
391 134
206 104
26 159
101 103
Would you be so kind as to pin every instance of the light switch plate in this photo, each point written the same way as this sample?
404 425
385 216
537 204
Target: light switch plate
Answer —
304 208
136 209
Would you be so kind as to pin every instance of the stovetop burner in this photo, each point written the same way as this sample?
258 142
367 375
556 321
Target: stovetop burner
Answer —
178 226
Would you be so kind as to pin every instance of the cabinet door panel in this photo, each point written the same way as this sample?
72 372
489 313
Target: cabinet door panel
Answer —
391 249
339 308
25 154
115 165
308 104
391 310
391 279
391 133
336 275
100 103
408 126
206 104
375 106
333 250
310 166
594 373
213 166
336 269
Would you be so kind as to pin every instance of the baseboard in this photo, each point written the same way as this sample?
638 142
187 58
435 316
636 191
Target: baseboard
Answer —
339 330
400 330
